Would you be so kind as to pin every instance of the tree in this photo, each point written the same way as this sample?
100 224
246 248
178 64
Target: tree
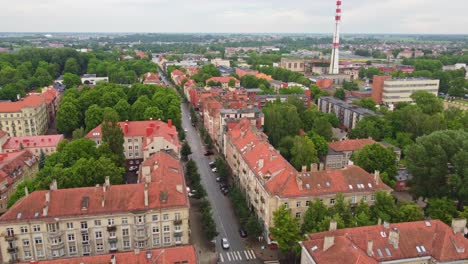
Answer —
72 66
68 118
363 214
321 145
367 103
232 83
286 231
340 94
153 113
427 102
375 157
281 120
20 192
123 109
41 160
409 212
316 212
71 80
285 146
441 208
318 122
303 152
93 117
384 207
350 86
186 150
112 134
43 77
253 226
78 133
139 108
375 127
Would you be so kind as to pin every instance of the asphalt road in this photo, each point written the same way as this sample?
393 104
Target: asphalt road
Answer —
224 217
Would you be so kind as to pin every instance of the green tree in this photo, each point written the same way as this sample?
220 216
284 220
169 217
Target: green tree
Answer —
340 94
253 226
384 207
350 86
72 66
286 231
20 191
123 108
154 113
232 83
441 208
316 212
367 103
139 108
43 77
78 133
375 127
409 212
68 118
93 117
71 80
321 145
112 134
363 214
185 150
281 120
303 152
427 102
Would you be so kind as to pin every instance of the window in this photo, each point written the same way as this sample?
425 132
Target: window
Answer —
140 219
71 250
38 240
177 228
110 221
298 215
332 201
353 199
97 222
156 241
84 237
27 254
177 216
178 240
129 140
125 232
129 147
136 147
112 234
40 253
286 205
166 229
24 229
298 204
84 225
10 232
126 244
36 228
113 245
86 249
167 240
99 246
98 234
141 244
69 225
25 242
71 237
307 203
124 221
53 227
372 198
364 198
155 229
165 217
155 218
56 241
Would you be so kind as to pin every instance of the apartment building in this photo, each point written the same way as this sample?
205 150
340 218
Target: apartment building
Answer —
35 144
340 152
173 255
348 114
220 62
263 99
422 242
26 117
143 138
392 91
296 65
89 221
15 167
269 181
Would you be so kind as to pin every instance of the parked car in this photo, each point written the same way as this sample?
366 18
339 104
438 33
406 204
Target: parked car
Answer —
242 232
212 164
218 179
214 169
224 243
225 191
209 153
222 186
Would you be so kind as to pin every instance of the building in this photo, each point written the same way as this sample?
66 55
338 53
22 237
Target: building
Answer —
26 117
15 167
422 242
220 62
180 254
262 100
394 91
152 78
377 87
35 144
143 138
92 79
348 114
224 81
337 78
340 152
52 98
90 221
269 181
296 65
277 85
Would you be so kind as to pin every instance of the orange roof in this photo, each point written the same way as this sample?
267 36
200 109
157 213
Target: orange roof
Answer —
29 101
177 72
416 239
181 254
224 79
282 179
263 76
11 161
50 94
153 128
117 199
33 142
151 77
163 165
350 144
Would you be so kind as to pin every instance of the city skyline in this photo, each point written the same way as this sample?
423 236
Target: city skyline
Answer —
184 16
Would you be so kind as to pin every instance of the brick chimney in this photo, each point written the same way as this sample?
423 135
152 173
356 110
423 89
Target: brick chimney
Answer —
149 131
169 123
146 195
53 185
458 225
394 237
328 242
376 177
370 245
125 128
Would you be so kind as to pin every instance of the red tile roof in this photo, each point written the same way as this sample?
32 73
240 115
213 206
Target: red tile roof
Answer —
224 79
152 128
182 254
350 144
117 199
33 101
50 94
12 161
33 142
282 179
163 165
151 77
350 244
177 72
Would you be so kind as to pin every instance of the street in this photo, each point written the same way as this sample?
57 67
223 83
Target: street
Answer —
226 221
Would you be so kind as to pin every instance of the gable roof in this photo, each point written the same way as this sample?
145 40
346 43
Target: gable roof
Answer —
350 144
223 79
12 163
32 101
33 141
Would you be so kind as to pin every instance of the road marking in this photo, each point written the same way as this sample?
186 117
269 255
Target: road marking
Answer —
221 257
235 255
271 262
229 256
247 256
240 256
253 253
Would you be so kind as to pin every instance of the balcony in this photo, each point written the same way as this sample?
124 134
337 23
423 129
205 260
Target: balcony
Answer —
113 250
178 233
112 239
111 228
10 237
55 233
84 230
177 221
140 237
57 246
12 249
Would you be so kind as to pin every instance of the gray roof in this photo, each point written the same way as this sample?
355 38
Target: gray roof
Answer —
351 107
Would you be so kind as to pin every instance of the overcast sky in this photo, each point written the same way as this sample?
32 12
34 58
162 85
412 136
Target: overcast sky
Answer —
310 16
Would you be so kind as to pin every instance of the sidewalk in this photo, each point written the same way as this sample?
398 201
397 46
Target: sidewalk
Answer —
262 251
204 249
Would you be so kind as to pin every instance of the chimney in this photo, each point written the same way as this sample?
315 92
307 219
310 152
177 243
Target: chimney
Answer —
137 251
379 221
107 181
169 123
103 201
147 178
321 166
260 163
304 168
53 185
333 225
146 195
370 245
149 131
328 242
126 128
394 237
299 182
26 191
113 260
386 225
376 177
47 197
458 225
313 167
45 210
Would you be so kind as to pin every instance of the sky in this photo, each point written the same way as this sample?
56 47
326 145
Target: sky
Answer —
243 16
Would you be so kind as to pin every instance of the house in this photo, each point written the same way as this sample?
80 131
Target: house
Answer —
224 81
241 72
143 138
176 73
191 70
220 62
269 181
152 78
46 144
141 54
277 85
25 117
15 167
425 242
92 79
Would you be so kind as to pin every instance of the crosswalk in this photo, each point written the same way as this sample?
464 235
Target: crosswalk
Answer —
233 256
271 262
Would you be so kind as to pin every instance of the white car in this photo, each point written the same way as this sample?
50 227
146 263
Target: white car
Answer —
214 169
224 243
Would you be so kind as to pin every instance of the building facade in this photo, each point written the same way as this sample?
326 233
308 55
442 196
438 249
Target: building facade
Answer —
35 144
296 65
26 117
400 90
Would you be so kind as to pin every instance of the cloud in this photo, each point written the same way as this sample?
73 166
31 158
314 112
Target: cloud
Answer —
312 16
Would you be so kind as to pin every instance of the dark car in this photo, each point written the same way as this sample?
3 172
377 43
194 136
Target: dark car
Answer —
209 153
242 232
222 186
225 191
